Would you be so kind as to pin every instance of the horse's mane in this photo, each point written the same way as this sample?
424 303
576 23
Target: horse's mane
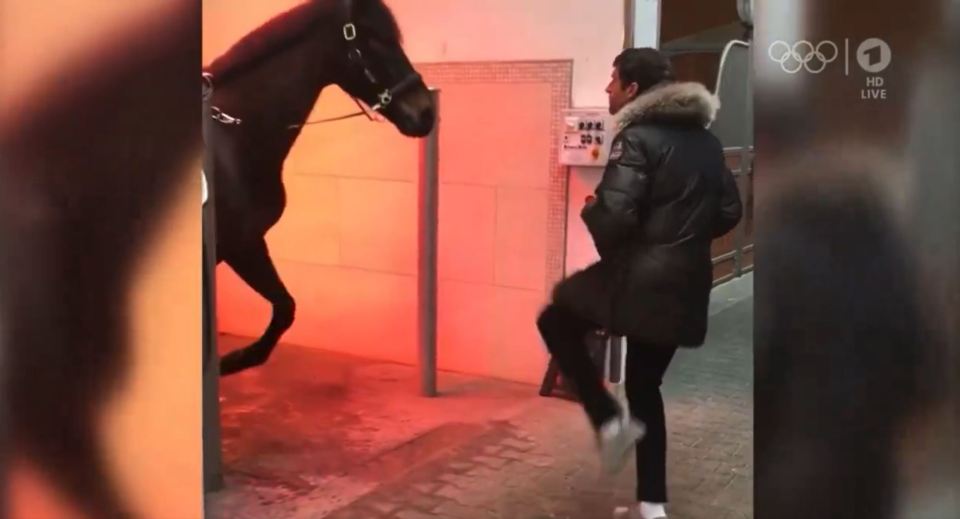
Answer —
280 31
287 29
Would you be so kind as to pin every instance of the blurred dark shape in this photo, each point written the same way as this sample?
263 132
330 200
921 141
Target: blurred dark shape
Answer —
857 404
843 355
85 178
934 215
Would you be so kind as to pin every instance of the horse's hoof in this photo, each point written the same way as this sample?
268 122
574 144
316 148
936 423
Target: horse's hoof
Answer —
239 360
234 362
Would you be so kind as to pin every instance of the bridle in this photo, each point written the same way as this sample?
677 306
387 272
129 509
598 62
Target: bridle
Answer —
354 59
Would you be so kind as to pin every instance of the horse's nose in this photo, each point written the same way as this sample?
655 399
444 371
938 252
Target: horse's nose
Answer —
428 118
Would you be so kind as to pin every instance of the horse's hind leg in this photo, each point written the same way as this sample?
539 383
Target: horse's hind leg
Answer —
254 266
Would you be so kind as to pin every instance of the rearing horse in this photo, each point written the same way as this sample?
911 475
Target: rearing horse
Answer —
264 88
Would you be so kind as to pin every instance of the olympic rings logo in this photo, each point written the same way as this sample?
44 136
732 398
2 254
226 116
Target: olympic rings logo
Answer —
800 55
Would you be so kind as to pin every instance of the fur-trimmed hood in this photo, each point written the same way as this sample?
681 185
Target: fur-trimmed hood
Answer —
677 102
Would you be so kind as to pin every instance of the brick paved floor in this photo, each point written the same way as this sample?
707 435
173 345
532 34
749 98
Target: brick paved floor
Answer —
541 464
531 458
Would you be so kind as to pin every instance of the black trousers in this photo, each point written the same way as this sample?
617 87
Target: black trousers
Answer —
564 332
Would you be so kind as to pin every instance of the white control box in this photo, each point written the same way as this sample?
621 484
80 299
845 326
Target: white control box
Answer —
586 136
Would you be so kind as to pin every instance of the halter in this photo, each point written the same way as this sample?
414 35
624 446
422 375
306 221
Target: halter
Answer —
355 59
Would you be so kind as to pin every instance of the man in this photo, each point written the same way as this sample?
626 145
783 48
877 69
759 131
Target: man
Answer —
665 195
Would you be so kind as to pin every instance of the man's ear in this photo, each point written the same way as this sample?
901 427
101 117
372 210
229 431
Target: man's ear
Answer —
633 90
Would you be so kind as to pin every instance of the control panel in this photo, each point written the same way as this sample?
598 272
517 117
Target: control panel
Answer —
587 133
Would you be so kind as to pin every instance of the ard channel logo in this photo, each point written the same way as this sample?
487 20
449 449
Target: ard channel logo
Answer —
872 55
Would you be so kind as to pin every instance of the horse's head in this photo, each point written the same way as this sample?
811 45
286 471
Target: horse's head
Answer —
377 71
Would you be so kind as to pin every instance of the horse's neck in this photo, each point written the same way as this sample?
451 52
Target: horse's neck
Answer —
284 88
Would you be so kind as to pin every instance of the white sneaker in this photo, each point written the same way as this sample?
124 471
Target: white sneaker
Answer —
632 512
617 437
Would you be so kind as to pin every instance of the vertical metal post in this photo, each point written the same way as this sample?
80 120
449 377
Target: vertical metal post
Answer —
4 419
629 23
427 264
739 236
212 458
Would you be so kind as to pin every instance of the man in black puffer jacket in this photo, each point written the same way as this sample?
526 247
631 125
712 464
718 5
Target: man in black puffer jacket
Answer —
666 194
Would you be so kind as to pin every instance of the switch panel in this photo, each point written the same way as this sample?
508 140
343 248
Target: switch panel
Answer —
587 134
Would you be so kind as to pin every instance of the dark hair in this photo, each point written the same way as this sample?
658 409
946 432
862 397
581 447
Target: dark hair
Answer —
646 67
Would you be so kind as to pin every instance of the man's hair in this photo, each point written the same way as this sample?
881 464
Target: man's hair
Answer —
646 67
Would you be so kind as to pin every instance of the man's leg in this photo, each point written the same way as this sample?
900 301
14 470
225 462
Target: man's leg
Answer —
646 365
564 333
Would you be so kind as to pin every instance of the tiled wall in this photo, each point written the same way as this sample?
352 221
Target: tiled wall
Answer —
347 244
454 31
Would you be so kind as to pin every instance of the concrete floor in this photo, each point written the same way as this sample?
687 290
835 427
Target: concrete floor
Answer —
314 434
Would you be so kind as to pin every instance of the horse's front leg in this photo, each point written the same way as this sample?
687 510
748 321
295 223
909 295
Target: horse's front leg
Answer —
254 266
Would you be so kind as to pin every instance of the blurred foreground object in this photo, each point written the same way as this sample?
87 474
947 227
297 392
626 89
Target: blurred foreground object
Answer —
858 289
100 264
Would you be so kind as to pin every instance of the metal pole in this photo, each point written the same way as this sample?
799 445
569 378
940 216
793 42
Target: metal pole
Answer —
212 456
739 236
427 264
629 23
4 419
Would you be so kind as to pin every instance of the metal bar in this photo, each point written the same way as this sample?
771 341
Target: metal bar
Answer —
210 395
736 150
212 456
427 264
724 257
724 279
740 236
4 420
629 23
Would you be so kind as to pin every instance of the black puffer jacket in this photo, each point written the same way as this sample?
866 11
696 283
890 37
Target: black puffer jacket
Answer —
666 194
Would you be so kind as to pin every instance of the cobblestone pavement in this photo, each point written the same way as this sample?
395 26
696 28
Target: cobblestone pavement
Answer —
542 464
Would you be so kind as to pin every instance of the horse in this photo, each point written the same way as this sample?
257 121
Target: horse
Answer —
263 89
88 168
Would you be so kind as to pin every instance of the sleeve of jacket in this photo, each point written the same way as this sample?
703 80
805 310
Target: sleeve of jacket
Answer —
615 212
731 208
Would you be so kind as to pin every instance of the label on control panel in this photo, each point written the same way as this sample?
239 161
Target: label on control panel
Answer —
586 137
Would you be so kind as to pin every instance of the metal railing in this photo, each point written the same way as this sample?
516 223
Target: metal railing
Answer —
733 253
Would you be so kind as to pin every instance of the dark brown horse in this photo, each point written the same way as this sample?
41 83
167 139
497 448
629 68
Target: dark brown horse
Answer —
264 88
